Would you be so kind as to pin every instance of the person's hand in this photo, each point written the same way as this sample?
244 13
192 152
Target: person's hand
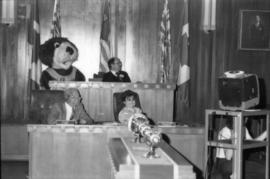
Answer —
138 110
139 115
262 137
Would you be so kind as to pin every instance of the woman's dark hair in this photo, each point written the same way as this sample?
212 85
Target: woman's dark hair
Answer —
127 94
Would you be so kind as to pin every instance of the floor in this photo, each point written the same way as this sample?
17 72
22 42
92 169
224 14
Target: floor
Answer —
19 170
14 170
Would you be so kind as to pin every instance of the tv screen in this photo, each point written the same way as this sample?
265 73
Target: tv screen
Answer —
238 93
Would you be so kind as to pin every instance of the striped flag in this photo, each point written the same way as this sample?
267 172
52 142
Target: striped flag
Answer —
184 69
56 22
105 45
34 43
165 38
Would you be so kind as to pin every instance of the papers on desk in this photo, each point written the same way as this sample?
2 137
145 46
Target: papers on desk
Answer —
170 124
111 124
65 122
166 124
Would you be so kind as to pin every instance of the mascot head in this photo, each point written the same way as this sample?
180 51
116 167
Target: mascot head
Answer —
58 53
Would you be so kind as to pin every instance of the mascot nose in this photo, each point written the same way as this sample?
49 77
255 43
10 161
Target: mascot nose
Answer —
70 50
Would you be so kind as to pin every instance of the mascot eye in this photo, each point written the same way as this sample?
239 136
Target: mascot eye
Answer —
56 44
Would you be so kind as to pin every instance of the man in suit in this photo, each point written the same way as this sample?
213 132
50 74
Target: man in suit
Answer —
71 109
115 74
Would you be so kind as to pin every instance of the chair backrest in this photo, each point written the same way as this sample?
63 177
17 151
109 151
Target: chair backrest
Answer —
41 104
118 102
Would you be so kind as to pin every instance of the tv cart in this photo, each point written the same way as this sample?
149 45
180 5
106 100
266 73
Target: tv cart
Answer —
238 144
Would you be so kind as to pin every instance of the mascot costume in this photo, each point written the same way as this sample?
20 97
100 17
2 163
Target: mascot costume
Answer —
59 54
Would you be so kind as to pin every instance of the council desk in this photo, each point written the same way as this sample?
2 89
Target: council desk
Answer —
156 100
84 152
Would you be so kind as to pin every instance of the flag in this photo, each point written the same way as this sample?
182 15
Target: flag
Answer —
184 69
105 45
56 22
34 43
165 38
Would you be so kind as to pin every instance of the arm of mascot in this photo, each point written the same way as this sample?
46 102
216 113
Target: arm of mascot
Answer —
44 80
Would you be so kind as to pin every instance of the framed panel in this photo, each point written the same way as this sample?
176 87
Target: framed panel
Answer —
254 30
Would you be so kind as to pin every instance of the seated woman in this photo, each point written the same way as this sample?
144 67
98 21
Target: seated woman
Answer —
223 164
129 107
71 109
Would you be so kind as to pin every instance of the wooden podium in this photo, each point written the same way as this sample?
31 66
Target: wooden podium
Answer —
82 152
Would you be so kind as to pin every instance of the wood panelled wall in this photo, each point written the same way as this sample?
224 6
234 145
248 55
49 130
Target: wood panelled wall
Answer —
217 51
14 71
135 32
257 62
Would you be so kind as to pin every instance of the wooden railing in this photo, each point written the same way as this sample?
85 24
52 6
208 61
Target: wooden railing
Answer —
157 100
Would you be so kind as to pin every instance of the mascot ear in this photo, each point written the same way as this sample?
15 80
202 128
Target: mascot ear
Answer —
46 52
56 44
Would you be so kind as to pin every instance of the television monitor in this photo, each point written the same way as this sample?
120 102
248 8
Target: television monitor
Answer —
238 92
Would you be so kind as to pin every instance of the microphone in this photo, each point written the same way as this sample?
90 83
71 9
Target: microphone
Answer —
139 125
